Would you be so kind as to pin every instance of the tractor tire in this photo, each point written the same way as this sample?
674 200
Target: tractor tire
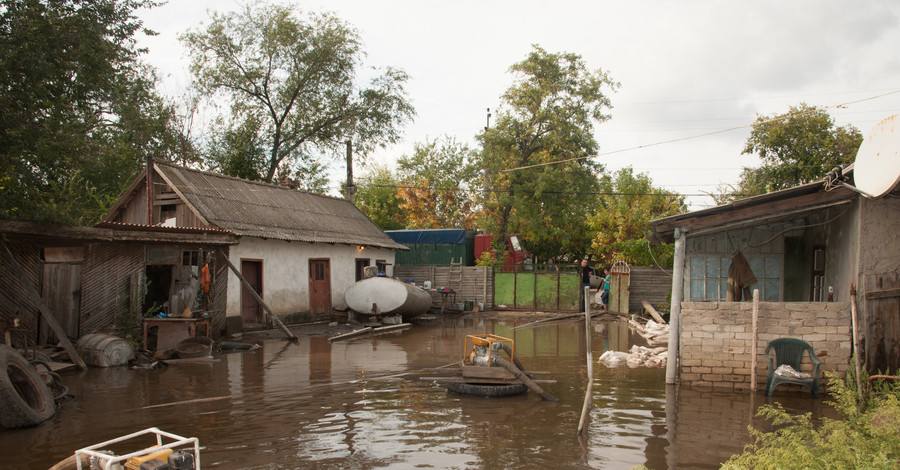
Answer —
487 390
25 399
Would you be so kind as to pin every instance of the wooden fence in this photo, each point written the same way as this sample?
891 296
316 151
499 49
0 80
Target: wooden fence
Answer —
469 283
651 284
476 284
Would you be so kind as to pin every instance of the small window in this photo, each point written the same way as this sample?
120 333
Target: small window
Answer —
709 277
162 255
382 266
190 258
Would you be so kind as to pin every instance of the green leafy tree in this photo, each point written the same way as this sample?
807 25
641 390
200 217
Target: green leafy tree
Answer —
239 150
547 118
79 111
436 183
295 79
376 196
627 205
797 147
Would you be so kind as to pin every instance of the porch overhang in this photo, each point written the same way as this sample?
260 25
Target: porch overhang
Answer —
752 211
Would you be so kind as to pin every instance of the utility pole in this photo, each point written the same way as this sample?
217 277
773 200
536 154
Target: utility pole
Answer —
350 187
488 126
149 189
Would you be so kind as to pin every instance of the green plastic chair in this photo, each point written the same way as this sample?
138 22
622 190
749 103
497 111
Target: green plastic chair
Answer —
790 351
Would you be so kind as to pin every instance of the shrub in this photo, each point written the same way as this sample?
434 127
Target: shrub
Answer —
866 436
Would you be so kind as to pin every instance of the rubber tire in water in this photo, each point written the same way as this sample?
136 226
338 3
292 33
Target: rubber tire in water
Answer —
25 400
487 390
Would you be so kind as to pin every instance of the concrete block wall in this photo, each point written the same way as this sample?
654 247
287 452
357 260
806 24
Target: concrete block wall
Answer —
717 338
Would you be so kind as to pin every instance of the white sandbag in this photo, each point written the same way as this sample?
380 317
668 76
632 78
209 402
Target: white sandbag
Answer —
613 358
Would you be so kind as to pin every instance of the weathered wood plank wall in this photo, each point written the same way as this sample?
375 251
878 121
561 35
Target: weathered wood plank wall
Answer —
475 283
651 284
882 329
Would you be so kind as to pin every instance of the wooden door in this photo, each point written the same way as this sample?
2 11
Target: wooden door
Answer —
361 264
61 291
883 325
251 310
319 286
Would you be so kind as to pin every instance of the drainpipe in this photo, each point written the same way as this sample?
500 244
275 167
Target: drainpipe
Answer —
677 296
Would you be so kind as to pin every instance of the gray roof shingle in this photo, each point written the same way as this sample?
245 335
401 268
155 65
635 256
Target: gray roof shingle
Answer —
249 208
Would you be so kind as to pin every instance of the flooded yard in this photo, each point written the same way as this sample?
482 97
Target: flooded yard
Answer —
357 404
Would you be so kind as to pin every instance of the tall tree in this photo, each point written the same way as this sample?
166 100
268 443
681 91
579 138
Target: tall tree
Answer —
296 76
79 110
797 147
547 117
435 185
627 205
376 196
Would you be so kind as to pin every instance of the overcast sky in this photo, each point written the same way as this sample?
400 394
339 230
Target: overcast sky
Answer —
686 68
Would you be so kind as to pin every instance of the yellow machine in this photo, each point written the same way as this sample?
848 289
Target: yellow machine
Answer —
482 350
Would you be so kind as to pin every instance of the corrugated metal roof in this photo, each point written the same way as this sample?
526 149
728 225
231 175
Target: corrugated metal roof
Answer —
249 208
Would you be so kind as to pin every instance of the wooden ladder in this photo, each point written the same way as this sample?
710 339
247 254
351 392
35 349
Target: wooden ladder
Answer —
456 272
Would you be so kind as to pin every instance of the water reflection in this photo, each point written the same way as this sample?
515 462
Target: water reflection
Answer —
315 404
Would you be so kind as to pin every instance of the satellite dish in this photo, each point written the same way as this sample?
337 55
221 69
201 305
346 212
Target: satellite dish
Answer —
876 171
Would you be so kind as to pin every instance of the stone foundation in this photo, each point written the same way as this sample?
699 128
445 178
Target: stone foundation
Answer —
716 340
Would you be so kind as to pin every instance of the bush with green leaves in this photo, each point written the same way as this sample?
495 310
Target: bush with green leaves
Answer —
866 436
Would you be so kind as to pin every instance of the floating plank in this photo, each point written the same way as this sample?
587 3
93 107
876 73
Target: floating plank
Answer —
390 328
191 360
475 380
363 331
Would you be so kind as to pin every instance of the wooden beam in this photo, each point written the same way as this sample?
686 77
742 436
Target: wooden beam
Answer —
653 313
354 333
45 312
883 294
259 299
17 229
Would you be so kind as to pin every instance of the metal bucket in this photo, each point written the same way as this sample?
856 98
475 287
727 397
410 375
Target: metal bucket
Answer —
199 346
103 350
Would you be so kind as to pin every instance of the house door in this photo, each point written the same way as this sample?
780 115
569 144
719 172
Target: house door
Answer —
361 264
251 311
319 286
61 291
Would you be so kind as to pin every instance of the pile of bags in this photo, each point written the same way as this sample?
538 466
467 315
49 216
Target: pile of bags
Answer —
657 336
638 356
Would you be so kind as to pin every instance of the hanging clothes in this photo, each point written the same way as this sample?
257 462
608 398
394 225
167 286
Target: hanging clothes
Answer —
204 278
740 277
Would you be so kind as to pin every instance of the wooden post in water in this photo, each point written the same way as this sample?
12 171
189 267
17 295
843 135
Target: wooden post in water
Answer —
754 346
590 361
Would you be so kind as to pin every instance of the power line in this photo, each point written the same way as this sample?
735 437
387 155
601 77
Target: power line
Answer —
706 134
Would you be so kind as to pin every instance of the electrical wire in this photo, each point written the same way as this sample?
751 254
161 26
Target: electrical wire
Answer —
698 136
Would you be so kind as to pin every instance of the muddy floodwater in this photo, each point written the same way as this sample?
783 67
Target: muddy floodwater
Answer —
358 405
